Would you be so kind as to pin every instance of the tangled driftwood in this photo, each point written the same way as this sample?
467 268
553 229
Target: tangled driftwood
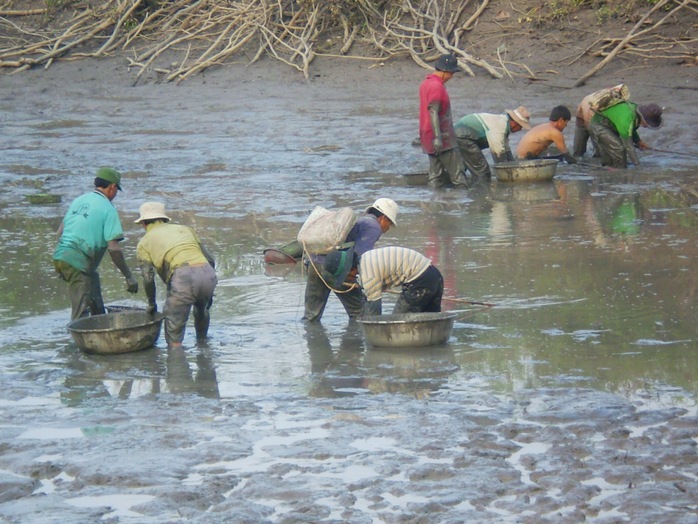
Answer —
180 38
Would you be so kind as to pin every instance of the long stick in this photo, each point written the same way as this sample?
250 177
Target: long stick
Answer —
453 299
597 166
673 152
471 302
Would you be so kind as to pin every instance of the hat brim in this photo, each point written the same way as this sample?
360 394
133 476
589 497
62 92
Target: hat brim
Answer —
651 123
336 279
146 217
516 119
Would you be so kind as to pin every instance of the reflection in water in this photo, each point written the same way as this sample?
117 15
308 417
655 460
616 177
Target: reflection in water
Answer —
138 374
335 373
352 370
180 378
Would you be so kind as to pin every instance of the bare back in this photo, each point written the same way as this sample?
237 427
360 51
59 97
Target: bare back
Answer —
538 139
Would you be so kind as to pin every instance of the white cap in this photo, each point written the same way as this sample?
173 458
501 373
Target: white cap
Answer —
152 211
386 206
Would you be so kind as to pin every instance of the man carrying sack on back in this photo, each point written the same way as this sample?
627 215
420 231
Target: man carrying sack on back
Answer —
614 131
364 234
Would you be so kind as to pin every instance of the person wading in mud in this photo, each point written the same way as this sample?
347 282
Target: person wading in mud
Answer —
388 267
436 132
90 227
480 131
379 218
534 143
184 264
614 131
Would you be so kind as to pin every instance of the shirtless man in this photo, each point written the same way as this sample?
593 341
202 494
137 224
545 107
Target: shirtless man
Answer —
538 139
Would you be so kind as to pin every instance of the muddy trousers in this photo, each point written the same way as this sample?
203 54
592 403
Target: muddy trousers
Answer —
84 290
423 294
447 168
581 137
473 157
317 294
190 286
614 150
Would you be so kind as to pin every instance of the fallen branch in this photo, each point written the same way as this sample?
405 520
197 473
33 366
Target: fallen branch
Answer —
632 35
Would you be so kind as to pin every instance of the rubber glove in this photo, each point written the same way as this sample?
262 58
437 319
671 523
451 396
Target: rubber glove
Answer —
132 284
438 143
152 308
569 158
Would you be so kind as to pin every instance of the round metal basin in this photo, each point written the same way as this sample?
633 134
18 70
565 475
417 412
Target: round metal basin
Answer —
114 333
407 330
416 179
525 170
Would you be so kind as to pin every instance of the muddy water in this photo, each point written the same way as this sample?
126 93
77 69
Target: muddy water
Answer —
573 399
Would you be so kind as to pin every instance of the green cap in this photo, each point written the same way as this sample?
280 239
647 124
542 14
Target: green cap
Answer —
110 175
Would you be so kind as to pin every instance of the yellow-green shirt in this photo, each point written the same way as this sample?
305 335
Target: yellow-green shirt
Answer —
168 246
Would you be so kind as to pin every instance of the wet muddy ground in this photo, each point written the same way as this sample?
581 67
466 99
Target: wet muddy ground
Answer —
572 400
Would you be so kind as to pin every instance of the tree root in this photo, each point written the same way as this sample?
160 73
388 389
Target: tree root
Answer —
177 39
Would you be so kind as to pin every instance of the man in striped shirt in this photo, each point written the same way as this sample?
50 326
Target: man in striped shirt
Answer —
387 267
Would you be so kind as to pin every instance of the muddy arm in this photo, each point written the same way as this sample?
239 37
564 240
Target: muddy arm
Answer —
117 256
148 272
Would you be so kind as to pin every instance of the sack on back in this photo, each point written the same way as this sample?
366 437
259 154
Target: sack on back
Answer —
326 230
608 97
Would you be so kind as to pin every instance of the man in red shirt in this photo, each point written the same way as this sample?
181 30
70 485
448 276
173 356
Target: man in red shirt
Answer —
436 132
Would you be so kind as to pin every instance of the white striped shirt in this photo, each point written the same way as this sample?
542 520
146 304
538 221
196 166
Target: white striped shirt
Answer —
388 267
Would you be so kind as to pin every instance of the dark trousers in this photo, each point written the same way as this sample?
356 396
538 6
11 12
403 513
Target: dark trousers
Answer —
317 293
614 150
423 294
84 290
447 168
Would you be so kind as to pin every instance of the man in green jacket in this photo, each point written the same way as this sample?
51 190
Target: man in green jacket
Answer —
614 131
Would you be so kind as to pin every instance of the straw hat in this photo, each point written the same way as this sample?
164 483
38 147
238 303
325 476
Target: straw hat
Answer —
152 211
521 116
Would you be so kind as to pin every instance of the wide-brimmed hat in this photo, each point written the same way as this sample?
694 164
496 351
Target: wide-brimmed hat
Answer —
521 116
110 175
386 206
152 211
447 63
337 266
651 115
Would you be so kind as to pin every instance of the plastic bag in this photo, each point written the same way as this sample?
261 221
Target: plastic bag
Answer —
608 97
325 230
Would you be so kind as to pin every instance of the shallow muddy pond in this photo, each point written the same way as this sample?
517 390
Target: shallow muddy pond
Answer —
572 399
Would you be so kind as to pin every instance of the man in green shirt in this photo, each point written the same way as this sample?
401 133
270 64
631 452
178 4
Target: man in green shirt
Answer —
90 228
614 131
184 264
